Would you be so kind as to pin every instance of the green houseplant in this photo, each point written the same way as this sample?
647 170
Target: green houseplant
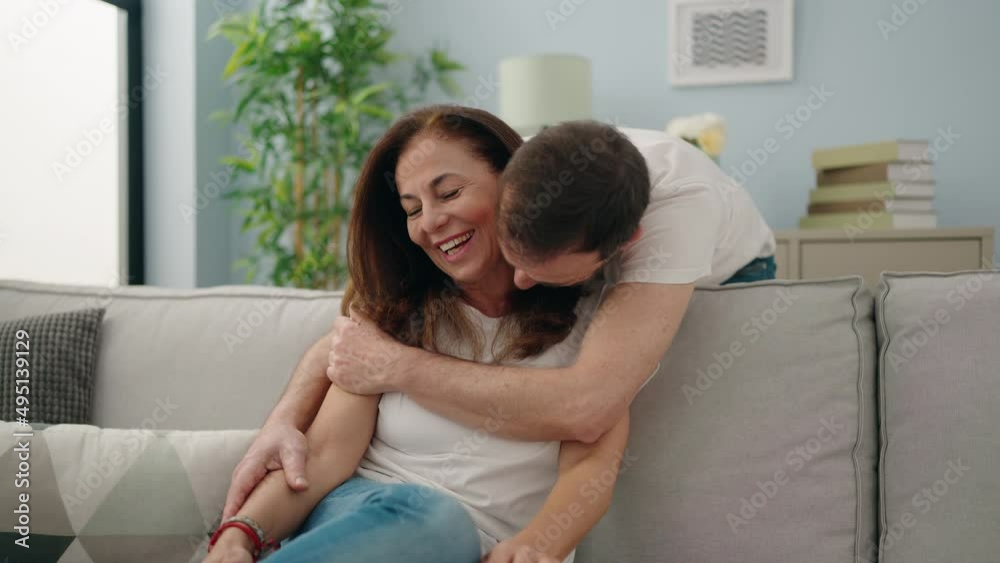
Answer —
317 86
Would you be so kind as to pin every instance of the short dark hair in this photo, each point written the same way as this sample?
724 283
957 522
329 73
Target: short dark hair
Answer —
579 186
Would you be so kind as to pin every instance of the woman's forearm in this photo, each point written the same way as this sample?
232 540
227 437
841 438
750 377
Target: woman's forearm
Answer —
337 439
306 388
581 495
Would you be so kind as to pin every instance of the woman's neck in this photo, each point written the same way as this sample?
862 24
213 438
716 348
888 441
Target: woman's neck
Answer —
491 294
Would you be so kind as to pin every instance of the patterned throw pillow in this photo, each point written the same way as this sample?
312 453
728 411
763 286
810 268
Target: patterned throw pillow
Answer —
49 361
108 495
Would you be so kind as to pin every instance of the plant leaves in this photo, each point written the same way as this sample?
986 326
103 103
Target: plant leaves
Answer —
353 86
367 92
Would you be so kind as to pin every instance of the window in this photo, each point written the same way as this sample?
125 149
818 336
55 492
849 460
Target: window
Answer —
71 183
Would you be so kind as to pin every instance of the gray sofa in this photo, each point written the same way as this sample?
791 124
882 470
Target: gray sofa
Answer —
790 421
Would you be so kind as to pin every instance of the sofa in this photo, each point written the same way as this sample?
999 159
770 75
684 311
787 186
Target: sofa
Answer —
790 421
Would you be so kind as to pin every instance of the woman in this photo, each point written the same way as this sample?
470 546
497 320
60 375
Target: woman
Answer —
426 268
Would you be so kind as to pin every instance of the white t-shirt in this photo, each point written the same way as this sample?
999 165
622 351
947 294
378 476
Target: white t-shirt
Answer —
501 483
700 226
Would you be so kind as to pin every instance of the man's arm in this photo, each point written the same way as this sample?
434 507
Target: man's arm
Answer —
631 330
574 494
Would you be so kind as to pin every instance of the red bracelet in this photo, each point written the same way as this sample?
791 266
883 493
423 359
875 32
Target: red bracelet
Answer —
246 530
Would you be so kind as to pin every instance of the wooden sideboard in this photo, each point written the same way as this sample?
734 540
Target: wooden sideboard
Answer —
808 254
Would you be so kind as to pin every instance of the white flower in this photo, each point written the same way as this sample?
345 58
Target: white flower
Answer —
690 127
705 130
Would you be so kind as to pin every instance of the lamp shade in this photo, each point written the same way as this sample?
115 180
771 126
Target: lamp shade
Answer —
540 90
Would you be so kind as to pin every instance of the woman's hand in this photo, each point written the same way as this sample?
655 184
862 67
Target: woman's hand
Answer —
233 546
510 551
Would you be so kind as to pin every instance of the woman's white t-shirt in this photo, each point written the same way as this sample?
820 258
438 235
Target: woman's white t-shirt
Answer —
501 483
700 226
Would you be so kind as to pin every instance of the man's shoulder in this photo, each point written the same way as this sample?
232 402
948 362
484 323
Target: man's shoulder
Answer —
644 138
671 156
676 167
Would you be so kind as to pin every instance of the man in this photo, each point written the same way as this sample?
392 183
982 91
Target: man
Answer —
646 216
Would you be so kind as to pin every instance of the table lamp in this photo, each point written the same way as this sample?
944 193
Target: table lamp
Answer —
541 90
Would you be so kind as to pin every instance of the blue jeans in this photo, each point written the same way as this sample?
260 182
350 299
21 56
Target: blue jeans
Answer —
363 521
758 269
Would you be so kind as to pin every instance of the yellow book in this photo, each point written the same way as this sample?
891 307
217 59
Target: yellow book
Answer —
870 153
872 191
881 172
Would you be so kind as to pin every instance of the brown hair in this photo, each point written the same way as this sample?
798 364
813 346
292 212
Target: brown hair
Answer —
396 284
579 186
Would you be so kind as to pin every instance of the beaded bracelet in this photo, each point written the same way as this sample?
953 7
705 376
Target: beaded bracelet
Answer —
245 529
251 529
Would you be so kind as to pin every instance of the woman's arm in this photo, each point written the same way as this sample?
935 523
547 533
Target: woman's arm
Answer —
337 440
281 439
579 499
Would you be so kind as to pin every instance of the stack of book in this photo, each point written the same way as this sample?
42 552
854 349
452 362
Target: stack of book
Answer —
878 185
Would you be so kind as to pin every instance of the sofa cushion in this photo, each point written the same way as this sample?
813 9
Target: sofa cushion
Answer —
201 359
756 440
939 366
48 368
98 495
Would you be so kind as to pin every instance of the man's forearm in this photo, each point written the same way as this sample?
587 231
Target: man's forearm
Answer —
531 404
306 388
574 496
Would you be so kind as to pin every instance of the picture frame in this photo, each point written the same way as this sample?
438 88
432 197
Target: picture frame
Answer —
719 42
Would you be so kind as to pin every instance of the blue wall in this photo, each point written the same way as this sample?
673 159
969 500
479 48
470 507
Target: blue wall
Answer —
938 70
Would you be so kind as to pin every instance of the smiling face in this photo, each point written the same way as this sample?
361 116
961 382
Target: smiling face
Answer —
450 196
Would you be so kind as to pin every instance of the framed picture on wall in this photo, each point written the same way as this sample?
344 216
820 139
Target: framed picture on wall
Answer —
715 42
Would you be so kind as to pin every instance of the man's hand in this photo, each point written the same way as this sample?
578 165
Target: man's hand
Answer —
510 551
362 357
278 446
